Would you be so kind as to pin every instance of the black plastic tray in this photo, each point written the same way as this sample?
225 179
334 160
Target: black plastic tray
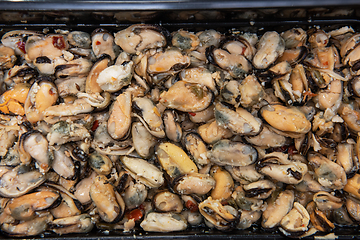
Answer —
164 4
70 12
193 234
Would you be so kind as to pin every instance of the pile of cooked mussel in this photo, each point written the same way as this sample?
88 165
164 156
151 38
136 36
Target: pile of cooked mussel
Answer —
165 131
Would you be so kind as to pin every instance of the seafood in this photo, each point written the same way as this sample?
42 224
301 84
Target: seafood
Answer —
135 195
144 128
163 222
101 164
143 171
285 119
108 202
194 183
7 57
224 183
239 121
329 174
19 180
237 64
187 97
278 167
64 165
217 214
174 160
296 221
149 114
120 116
281 205
24 207
67 208
41 96
170 61
36 146
144 142
74 224
27 228
140 37
102 42
115 77
271 46
167 202
226 152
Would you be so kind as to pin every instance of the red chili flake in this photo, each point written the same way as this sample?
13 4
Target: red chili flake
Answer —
59 42
142 207
243 51
326 63
191 206
51 92
95 125
44 166
310 94
224 202
292 150
97 43
21 46
192 114
280 149
77 87
135 214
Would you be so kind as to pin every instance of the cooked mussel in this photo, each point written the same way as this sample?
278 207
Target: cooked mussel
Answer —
217 214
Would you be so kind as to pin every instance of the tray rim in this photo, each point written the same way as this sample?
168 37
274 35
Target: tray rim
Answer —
159 5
